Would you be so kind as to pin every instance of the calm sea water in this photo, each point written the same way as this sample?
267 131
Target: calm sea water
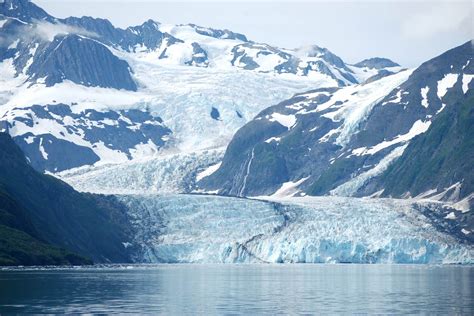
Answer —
241 289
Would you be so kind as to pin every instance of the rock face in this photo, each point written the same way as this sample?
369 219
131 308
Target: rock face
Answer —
199 56
83 62
334 141
94 64
83 138
45 212
30 35
146 36
440 161
377 63
24 10
304 61
53 58
222 34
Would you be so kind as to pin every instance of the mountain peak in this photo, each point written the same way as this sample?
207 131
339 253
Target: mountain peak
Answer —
222 34
23 10
377 63
151 23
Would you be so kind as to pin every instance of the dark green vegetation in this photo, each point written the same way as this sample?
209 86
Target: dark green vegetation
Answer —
40 214
442 156
19 248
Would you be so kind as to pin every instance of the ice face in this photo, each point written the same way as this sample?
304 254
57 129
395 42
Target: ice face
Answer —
211 229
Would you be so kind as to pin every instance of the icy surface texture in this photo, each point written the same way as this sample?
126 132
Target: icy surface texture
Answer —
189 228
169 173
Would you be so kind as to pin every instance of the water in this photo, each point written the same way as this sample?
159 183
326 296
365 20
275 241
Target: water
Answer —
241 289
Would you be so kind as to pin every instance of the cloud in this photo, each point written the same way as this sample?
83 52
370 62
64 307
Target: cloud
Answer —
41 31
47 31
438 17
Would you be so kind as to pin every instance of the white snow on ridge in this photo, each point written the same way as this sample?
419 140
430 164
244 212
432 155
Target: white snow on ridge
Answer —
184 105
68 92
218 50
366 98
358 101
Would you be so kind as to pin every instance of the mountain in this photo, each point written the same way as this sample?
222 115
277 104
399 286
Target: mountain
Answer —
438 163
155 109
40 213
377 63
81 138
25 23
24 10
20 243
95 65
334 141
179 76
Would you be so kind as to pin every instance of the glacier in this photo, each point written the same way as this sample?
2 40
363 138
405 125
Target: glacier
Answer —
165 173
214 229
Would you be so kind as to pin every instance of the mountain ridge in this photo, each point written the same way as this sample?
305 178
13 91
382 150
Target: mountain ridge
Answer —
330 142
90 66
51 212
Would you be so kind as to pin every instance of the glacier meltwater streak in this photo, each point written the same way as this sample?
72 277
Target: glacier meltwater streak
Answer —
212 229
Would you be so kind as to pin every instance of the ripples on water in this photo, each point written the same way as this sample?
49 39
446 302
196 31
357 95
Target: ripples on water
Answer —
241 289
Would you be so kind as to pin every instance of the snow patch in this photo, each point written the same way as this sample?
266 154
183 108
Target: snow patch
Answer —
207 172
286 120
424 95
273 139
42 151
450 216
464 204
466 79
360 101
289 188
419 127
351 187
446 83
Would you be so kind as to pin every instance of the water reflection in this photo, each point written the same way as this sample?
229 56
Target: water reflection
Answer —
242 289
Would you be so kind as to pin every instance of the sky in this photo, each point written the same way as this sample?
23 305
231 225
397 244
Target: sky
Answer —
408 32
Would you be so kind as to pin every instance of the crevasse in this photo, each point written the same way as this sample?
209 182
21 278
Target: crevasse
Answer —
212 229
